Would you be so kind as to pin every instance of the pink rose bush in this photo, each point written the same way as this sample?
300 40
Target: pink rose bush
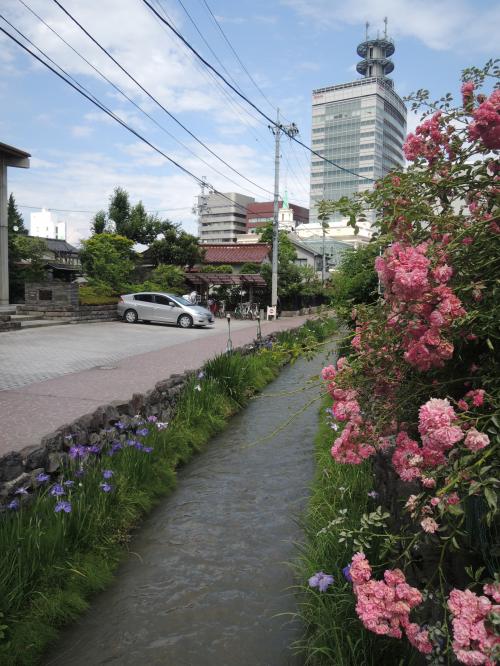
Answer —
474 642
419 391
384 606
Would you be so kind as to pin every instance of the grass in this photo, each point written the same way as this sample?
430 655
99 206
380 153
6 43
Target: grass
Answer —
51 563
333 633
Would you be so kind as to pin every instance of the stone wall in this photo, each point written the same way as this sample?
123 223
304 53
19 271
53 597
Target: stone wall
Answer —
20 468
51 292
70 313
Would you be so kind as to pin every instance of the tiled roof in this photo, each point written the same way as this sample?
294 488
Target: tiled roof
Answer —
225 278
234 253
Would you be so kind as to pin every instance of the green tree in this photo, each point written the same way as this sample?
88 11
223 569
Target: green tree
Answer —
177 247
26 262
99 223
169 278
108 259
250 268
356 281
119 211
221 268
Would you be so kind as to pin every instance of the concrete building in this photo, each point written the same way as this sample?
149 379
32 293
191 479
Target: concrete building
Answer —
360 126
45 225
220 220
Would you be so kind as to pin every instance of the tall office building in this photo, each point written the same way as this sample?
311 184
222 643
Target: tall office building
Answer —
360 126
222 218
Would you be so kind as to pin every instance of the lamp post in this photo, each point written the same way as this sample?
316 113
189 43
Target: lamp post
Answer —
229 346
259 332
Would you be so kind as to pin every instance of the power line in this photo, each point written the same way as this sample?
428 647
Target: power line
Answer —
244 97
117 88
212 79
70 210
119 120
170 115
226 39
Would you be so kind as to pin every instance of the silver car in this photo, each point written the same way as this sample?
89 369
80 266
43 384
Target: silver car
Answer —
165 308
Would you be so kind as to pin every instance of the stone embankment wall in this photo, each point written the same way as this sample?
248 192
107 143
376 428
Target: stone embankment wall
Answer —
20 468
70 313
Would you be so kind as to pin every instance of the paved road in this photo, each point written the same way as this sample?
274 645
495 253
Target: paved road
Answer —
51 376
37 354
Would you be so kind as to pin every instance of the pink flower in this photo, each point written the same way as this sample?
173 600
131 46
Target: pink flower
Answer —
486 125
396 181
429 525
467 91
435 413
477 396
328 373
468 240
463 405
474 642
475 440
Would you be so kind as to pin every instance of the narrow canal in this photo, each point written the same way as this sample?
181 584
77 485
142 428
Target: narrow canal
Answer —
207 580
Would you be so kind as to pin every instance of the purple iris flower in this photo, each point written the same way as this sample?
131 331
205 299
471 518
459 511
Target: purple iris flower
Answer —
120 425
138 446
152 419
69 483
77 451
14 505
95 448
106 487
108 473
321 580
161 426
147 449
63 505
373 494
80 472
347 573
201 374
131 442
21 491
42 477
57 490
142 432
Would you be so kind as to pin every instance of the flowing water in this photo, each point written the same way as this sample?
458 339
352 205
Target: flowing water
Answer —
207 579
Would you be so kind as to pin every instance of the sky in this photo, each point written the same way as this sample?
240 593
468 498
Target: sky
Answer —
287 48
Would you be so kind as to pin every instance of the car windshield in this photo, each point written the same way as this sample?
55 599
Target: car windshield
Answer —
182 301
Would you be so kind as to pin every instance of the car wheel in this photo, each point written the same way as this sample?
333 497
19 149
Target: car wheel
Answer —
185 321
130 316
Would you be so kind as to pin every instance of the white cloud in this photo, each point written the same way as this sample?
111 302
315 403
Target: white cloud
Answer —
81 131
447 24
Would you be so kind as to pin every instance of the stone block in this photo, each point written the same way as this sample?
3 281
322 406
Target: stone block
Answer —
56 461
34 457
53 441
9 487
11 466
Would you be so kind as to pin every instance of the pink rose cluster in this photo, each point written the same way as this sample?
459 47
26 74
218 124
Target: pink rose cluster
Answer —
422 305
474 642
439 431
384 606
429 141
486 123
352 445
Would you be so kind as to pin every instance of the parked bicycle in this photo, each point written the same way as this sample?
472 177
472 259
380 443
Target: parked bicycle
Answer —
246 311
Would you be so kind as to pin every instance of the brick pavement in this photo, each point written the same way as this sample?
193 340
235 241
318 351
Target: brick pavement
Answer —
88 365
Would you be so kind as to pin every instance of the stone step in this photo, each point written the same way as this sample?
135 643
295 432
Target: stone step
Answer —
24 317
38 323
9 326
7 309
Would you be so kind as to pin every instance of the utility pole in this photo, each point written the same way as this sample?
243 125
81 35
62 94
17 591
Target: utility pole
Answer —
201 207
290 130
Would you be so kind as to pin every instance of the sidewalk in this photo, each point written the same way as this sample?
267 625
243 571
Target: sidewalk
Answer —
30 412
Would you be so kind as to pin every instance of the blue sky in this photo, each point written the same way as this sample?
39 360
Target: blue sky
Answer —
288 46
